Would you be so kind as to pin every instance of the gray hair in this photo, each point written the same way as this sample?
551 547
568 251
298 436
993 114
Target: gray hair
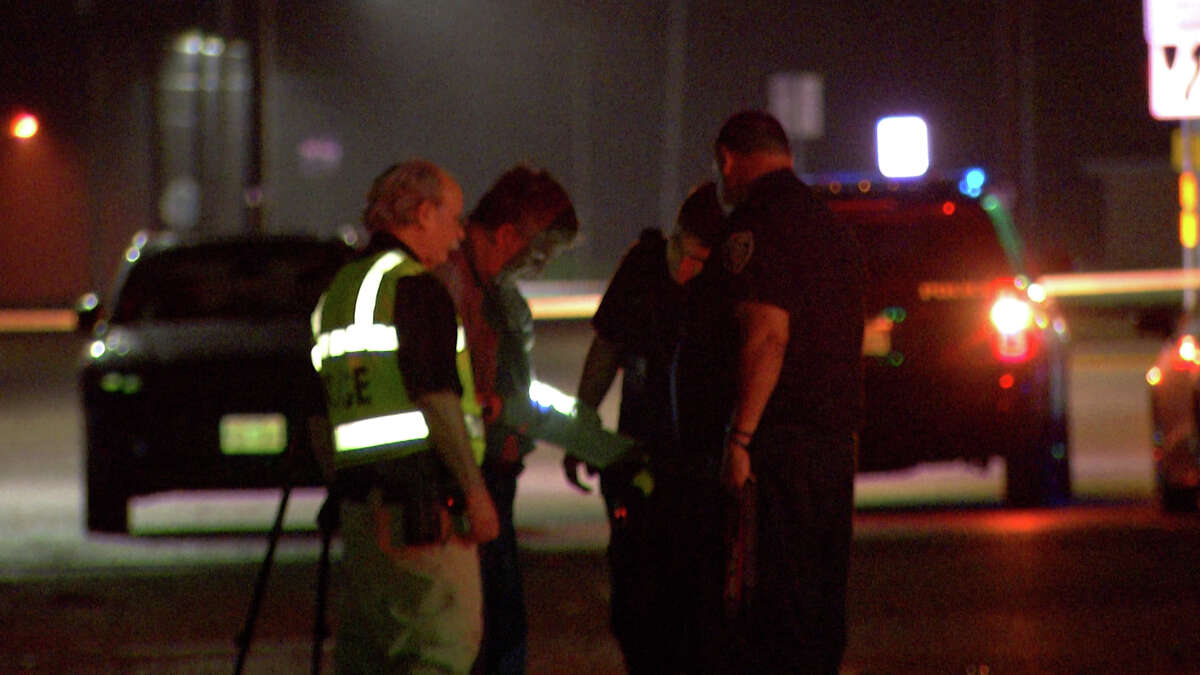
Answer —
398 191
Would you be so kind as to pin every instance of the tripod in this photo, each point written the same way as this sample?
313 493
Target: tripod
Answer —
320 629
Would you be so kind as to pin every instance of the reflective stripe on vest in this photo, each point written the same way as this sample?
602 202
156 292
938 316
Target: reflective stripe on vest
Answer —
364 335
382 430
354 352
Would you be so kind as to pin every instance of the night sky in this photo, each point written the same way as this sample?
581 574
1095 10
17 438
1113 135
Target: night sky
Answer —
1032 90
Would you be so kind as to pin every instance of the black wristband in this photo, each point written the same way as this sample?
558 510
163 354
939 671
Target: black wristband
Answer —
734 431
738 437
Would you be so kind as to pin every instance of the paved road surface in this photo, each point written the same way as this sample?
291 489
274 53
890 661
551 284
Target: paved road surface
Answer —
1109 585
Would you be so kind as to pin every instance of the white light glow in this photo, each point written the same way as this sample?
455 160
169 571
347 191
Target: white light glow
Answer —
902 145
1187 348
25 126
546 396
1036 292
1011 316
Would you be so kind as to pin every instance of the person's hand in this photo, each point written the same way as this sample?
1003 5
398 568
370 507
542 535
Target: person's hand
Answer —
735 467
481 514
588 415
571 471
491 404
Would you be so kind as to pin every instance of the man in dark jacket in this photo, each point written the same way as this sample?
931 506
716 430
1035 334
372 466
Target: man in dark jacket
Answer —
659 604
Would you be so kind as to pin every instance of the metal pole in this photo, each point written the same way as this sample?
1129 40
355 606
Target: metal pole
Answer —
264 127
674 83
320 628
246 636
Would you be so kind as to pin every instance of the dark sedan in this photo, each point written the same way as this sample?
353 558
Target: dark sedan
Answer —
1175 408
199 374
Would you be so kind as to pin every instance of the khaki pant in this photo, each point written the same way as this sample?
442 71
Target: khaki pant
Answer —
405 609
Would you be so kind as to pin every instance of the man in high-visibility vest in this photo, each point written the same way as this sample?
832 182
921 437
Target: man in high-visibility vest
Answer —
407 437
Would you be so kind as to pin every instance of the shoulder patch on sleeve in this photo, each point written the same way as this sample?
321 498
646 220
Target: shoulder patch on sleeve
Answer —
738 249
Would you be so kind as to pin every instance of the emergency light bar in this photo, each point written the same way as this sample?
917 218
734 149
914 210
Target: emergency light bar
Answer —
902 146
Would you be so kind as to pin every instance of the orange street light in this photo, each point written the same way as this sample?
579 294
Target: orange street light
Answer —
24 125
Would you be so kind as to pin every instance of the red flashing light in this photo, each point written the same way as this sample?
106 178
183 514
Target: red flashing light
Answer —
1007 381
1014 347
948 208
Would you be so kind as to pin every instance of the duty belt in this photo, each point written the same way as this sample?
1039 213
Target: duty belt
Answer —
398 480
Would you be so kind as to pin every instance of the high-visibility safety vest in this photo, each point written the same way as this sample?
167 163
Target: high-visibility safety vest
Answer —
354 333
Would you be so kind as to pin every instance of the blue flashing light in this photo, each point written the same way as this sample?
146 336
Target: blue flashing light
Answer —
972 182
976 178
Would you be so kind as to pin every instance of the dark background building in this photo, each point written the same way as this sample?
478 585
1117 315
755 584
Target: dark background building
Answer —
274 115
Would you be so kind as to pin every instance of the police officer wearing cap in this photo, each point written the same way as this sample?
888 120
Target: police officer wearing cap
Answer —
407 437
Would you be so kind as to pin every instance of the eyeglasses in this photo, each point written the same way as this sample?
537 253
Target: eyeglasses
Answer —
531 260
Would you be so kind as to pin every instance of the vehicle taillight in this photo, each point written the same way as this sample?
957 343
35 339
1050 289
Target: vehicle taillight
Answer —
1011 316
1187 353
1154 376
1014 315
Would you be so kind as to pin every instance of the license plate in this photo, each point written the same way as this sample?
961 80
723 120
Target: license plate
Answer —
877 337
259 434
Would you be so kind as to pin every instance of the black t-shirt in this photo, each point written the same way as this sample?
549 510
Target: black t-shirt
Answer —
641 312
703 377
785 249
426 328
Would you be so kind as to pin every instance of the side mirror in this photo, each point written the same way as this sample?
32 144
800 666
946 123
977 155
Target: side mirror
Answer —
87 312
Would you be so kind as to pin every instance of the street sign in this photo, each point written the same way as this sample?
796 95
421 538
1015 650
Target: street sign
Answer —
1171 22
797 100
1172 29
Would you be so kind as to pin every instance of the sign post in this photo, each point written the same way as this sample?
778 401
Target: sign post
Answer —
1173 51
797 100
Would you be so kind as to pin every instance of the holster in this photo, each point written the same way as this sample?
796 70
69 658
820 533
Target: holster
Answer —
418 484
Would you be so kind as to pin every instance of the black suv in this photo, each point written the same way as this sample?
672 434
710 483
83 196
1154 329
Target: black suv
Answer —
199 373
965 357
